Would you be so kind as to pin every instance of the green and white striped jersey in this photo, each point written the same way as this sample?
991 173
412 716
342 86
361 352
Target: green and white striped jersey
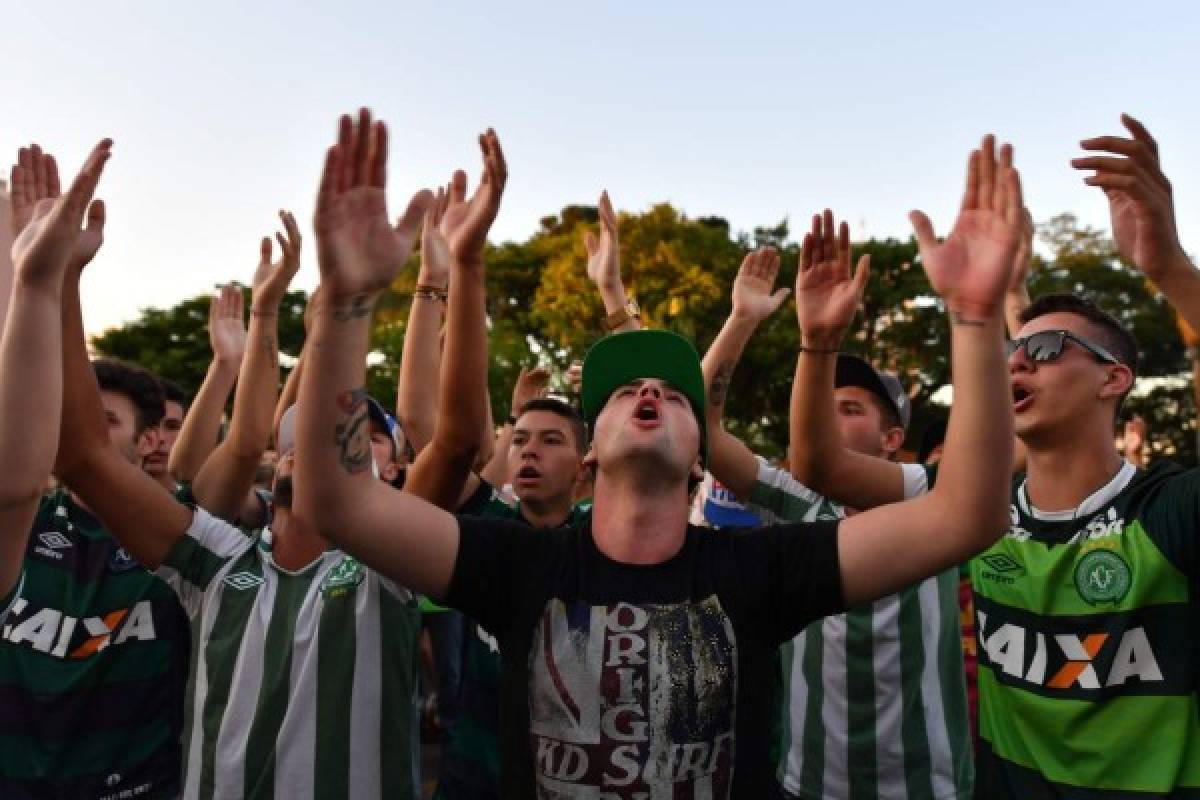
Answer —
302 684
874 699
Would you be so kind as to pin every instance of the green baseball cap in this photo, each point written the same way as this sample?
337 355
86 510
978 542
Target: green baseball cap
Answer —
621 358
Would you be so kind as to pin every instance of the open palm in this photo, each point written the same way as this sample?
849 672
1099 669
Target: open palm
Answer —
972 268
754 295
358 249
827 293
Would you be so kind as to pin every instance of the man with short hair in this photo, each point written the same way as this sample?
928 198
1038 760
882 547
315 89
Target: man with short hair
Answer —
636 649
175 402
1086 610
545 455
873 699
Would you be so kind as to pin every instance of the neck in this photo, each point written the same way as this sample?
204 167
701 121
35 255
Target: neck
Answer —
637 522
294 544
549 513
1063 475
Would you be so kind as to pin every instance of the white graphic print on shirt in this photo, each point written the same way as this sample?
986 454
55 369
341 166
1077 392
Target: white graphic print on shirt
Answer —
631 701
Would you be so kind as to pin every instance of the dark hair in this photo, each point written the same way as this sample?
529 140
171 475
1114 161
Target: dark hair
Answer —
1109 331
174 393
135 383
563 410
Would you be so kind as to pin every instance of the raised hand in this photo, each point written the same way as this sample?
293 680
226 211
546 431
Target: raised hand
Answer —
227 325
272 278
1023 258
359 251
34 177
531 384
827 293
1139 197
466 223
753 297
603 252
435 251
972 268
53 238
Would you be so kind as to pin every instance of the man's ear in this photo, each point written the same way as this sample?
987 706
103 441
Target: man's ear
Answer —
389 471
893 440
590 462
697 470
1118 381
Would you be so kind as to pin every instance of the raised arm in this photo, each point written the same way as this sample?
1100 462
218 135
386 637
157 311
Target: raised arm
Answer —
827 297
133 506
202 424
31 375
6 240
604 269
887 548
1143 213
442 473
227 477
359 253
417 389
729 460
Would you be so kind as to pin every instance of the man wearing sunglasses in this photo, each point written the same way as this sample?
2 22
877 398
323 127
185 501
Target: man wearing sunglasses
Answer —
1087 610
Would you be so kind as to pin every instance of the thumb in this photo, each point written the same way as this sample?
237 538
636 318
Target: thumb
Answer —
264 250
778 298
589 243
923 229
411 219
862 273
97 214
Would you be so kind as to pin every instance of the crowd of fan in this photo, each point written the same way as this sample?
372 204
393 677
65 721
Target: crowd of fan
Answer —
613 596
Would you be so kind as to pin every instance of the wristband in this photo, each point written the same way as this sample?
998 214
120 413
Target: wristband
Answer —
430 294
825 351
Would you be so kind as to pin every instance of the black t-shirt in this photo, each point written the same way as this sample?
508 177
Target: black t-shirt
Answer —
641 679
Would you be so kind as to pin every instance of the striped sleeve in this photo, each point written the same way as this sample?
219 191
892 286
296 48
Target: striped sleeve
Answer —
196 557
780 497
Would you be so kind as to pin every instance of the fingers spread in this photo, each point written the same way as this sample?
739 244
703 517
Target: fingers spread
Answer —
84 186
987 172
1139 132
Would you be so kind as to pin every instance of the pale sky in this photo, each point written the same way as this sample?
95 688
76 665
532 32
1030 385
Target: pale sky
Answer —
753 111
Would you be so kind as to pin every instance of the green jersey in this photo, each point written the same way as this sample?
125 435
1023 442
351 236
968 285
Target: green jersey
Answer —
93 663
1087 625
471 759
874 702
302 683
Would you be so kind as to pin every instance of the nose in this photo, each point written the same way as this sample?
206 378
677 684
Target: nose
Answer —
652 390
1019 361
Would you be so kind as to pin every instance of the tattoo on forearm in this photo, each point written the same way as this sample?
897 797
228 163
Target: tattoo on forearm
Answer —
360 306
720 384
958 319
352 434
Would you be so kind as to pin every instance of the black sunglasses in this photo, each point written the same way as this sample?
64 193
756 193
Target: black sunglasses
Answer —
1046 346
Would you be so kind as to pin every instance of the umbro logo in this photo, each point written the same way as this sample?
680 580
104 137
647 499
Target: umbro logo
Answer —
1000 562
54 539
243 580
51 543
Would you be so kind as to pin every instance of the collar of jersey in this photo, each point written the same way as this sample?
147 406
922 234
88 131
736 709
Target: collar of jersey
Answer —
1090 505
